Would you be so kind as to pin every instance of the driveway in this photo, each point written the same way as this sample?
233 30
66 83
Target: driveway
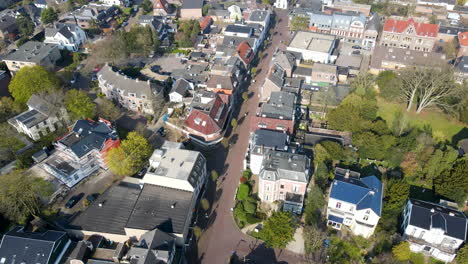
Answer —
222 238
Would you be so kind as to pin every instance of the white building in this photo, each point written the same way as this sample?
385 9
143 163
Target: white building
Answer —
115 2
40 119
260 141
177 168
436 230
282 4
66 36
354 202
314 47
447 4
180 90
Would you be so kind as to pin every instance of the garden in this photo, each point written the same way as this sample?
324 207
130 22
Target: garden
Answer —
245 211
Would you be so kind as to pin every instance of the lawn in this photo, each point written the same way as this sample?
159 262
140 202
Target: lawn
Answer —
443 128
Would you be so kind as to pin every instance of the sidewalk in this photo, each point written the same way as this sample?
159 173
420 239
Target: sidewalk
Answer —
297 245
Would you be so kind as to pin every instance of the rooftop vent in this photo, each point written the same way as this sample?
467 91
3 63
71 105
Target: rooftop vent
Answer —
173 205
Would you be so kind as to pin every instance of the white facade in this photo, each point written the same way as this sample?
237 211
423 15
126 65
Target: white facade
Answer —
444 4
315 56
72 40
114 2
435 239
361 222
282 4
175 97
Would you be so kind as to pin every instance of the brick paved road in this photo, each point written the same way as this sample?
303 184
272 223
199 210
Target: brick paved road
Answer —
223 237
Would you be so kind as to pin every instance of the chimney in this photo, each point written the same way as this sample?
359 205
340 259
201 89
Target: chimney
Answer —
346 174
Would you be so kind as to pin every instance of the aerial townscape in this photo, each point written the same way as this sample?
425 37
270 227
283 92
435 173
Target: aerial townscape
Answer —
233 131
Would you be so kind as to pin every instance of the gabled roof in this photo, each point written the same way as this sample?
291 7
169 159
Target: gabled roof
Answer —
278 165
206 22
65 29
221 82
181 86
245 52
270 139
365 193
285 59
422 29
19 246
428 215
463 39
209 120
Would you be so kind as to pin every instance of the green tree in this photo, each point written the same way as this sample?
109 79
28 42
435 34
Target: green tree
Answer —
205 204
402 251
243 191
205 9
268 2
25 25
8 108
130 156
395 195
334 149
234 123
79 105
245 96
278 230
314 204
197 231
147 6
453 183
20 194
387 83
313 239
462 255
439 161
49 15
107 109
32 80
249 207
247 174
300 22
214 175
344 252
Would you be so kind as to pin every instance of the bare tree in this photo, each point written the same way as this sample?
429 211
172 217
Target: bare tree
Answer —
411 80
439 85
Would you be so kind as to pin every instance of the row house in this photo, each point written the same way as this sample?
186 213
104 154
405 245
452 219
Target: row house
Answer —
350 26
284 177
436 230
133 94
66 36
33 53
278 113
409 34
354 202
40 119
207 117
81 152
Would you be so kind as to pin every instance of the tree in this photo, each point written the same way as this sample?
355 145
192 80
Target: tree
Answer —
25 25
278 230
388 87
245 96
313 238
9 142
268 2
363 84
107 109
344 252
205 204
249 207
314 205
462 255
79 105
197 231
49 15
300 22
453 183
400 124
8 108
233 123
20 194
205 9
411 81
402 251
243 191
31 80
214 175
130 156
147 6
451 48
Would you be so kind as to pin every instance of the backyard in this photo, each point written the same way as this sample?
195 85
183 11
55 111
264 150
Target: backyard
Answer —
443 127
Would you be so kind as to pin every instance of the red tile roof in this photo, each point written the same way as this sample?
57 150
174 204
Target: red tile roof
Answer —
422 29
245 52
161 4
205 122
206 22
463 39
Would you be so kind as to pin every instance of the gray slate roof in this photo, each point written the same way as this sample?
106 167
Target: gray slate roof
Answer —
259 15
284 165
191 4
181 86
280 106
19 246
239 29
65 29
32 51
270 139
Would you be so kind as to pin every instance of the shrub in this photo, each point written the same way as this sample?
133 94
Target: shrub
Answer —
205 204
401 251
214 175
239 212
243 179
251 219
247 173
249 207
417 258
261 215
197 231
243 191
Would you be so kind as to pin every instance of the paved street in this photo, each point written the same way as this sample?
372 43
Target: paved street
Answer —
222 237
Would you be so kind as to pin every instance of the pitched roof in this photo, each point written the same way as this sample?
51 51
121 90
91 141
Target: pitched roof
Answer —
463 38
65 29
32 51
19 246
270 139
181 86
207 118
428 215
191 4
221 82
245 52
363 192
422 29
280 106
206 21
284 165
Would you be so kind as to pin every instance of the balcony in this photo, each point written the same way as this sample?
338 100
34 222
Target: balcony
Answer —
441 247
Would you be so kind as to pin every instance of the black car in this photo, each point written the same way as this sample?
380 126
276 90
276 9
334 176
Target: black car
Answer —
356 47
356 52
74 200
161 132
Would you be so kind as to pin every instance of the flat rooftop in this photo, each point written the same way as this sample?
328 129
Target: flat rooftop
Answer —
312 41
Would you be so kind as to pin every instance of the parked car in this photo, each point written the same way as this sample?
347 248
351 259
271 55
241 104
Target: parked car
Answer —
92 197
74 200
161 132
356 52
142 172
356 47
